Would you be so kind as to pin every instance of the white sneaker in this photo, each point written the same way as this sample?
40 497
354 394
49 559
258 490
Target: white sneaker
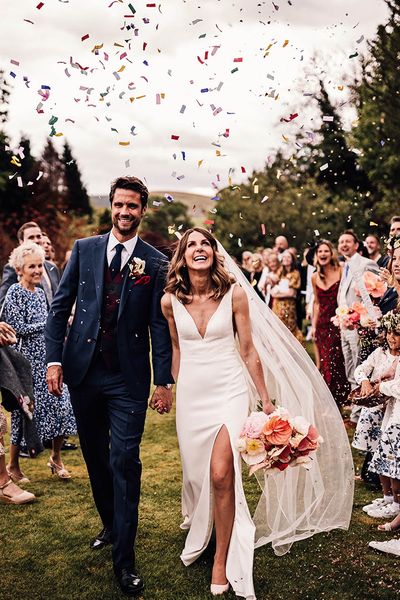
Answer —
391 546
388 511
377 503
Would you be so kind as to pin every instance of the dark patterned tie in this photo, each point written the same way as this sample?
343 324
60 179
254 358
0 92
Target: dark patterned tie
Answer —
115 264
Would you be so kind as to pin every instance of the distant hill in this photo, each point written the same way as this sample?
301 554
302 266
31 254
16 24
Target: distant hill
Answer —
198 205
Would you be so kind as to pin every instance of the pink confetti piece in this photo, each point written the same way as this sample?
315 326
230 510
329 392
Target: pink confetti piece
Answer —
19 181
243 169
123 55
175 137
85 37
14 62
238 60
40 5
262 228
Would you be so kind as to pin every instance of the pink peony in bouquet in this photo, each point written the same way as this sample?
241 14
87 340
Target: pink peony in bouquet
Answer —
277 441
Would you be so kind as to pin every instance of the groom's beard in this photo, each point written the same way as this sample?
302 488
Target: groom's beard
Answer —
130 225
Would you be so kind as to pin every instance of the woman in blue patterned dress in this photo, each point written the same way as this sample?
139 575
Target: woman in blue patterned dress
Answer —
25 310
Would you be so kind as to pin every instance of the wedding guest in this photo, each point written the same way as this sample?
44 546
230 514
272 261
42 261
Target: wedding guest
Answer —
354 263
373 246
25 310
10 493
269 277
247 266
257 273
380 375
325 282
285 292
281 244
31 232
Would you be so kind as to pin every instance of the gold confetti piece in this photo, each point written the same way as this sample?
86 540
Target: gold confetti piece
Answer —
171 229
285 43
218 153
373 224
199 163
118 45
59 134
122 68
124 143
97 47
15 161
340 88
285 138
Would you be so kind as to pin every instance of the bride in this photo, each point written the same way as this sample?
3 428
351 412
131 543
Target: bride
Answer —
208 305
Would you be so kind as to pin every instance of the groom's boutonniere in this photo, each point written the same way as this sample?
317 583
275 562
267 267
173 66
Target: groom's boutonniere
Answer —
136 271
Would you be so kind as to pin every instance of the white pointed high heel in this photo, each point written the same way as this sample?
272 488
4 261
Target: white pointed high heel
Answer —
216 589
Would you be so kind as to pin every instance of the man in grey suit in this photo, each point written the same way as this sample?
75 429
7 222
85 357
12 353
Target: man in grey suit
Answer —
31 232
354 264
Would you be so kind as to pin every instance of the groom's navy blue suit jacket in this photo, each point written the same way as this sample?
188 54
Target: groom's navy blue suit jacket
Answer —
139 312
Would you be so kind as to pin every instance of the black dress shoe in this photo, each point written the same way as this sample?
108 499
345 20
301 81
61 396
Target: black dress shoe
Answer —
103 539
129 582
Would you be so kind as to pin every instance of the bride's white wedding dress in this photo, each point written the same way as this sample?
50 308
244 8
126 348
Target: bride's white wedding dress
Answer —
211 393
214 389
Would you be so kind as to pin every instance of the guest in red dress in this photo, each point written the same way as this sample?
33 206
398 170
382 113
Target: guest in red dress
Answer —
325 281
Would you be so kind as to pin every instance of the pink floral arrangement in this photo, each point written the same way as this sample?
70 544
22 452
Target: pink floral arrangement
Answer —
374 285
355 316
276 441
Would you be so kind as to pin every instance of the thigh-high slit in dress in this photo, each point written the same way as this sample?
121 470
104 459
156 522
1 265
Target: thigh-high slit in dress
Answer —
211 393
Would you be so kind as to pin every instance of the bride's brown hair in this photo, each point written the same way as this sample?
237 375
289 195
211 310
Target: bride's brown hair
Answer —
178 282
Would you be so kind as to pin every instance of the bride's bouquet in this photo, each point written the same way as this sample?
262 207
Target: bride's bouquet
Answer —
277 441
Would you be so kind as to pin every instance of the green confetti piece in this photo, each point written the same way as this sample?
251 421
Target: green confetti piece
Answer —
132 9
234 70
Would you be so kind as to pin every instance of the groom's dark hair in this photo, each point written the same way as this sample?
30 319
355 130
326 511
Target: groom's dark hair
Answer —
130 183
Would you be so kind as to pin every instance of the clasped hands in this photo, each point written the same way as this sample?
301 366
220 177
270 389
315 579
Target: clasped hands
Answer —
161 400
7 335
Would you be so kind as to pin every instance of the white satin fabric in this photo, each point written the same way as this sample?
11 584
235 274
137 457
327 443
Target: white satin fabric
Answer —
211 393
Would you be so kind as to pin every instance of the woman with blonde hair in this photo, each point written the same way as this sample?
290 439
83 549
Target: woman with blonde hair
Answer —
284 294
25 309
325 281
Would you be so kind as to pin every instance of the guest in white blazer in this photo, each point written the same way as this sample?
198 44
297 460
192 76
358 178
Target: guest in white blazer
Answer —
348 246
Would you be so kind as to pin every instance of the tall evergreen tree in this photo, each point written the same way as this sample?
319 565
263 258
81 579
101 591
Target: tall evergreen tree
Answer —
76 196
332 162
378 104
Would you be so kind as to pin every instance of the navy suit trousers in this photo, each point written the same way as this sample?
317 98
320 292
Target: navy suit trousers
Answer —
110 426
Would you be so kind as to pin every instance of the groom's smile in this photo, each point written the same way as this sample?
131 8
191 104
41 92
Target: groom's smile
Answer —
126 212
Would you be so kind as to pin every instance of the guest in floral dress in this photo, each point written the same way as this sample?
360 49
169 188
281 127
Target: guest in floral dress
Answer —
25 310
285 292
378 431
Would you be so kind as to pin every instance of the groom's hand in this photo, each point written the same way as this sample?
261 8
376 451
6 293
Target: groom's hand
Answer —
54 379
161 400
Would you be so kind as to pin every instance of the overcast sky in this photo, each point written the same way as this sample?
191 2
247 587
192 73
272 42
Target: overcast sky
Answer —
258 61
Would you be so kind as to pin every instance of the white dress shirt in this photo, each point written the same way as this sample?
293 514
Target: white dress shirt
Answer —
126 253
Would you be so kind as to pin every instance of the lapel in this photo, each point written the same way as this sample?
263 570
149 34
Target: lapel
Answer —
128 285
99 256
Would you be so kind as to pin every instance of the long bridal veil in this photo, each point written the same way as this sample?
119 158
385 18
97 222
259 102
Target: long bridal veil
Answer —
296 503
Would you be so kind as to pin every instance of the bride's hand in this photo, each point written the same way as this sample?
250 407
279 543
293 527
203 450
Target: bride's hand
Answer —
268 407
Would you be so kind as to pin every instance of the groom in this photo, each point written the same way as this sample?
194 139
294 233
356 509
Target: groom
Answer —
116 281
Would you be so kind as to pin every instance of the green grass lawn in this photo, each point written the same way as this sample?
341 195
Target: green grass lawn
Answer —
44 547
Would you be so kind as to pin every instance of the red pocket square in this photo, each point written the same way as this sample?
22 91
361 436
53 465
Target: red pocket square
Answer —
143 280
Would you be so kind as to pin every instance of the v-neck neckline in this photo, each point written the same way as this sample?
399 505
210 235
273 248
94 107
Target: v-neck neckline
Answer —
208 322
